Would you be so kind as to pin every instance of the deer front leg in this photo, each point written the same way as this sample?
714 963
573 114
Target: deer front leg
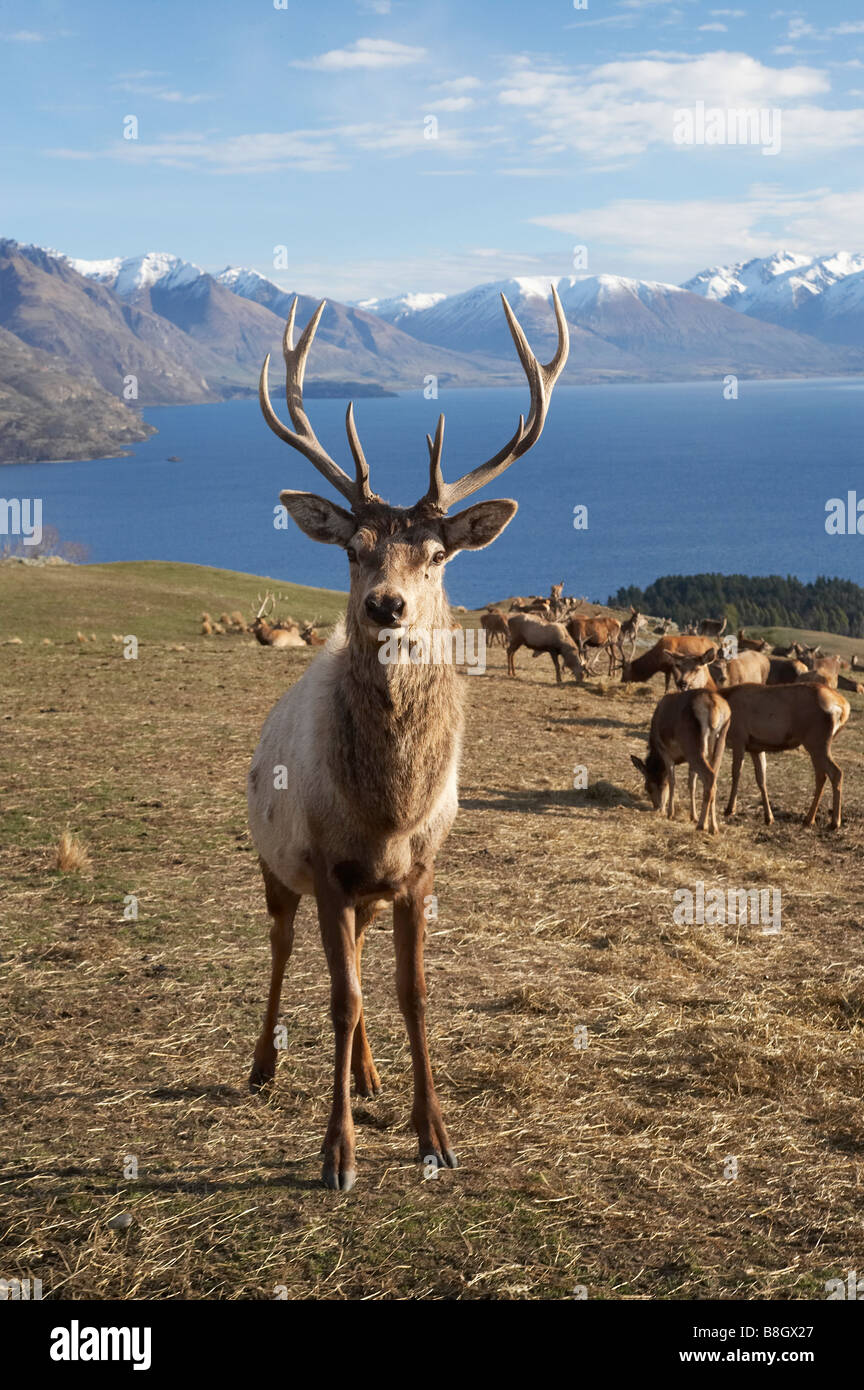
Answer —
409 929
336 919
282 906
737 760
367 1082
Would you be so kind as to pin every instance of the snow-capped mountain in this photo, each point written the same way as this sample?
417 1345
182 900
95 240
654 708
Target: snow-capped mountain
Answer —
400 306
133 278
619 327
821 295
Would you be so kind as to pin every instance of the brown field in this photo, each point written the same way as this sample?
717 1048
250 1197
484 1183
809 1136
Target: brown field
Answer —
601 1167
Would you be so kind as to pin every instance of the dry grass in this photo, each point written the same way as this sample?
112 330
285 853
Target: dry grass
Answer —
128 1040
71 857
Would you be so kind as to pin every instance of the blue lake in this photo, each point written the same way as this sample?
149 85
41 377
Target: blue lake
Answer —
676 480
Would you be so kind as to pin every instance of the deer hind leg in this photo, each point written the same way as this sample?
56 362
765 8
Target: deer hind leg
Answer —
759 767
409 929
512 648
282 907
715 760
557 665
336 918
367 1082
691 787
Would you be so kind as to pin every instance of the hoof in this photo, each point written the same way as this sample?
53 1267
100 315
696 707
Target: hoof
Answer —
338 1181
441 1158
260 1077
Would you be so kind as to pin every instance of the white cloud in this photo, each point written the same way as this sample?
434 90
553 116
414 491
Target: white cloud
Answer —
364 53
452 104
460 84
24 36
622 108
712 28
663 237
160 93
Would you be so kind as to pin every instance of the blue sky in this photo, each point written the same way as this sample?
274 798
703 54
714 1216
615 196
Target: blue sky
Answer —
305 126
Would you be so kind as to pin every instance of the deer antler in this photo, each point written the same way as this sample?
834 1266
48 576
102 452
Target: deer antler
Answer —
541 380
303 436
263 607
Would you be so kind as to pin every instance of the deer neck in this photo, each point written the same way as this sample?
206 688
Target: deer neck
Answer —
397 731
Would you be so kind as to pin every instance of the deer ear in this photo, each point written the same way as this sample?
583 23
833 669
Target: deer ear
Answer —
319 518
477 526
637 763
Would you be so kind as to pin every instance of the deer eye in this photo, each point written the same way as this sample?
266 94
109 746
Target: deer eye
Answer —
439 557
352 556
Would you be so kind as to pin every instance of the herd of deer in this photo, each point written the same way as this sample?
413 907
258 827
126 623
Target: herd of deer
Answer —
284 633
372 750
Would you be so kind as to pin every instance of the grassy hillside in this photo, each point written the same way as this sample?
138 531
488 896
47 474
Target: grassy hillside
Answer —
155 600
606 1166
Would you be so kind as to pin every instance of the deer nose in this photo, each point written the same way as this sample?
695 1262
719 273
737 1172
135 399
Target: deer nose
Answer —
385 609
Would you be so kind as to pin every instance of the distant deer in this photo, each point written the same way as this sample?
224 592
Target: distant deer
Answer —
275 634
540 637
686 728
661 657
703 673
369 750
773 719
494 624
603 634
751 644
712 627
629 629
555 598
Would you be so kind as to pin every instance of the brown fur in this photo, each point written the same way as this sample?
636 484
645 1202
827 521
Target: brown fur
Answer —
661 657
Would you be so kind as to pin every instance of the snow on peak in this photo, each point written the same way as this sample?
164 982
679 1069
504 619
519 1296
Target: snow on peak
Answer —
134 275
785 279
241 280
399 305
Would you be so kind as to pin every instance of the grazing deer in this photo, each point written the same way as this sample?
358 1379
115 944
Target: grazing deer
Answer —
662 656
601 633
690 728
712 627
629 629
494 624
540 637
773 719
370 749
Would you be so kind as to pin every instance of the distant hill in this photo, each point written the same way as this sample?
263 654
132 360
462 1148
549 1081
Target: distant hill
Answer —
51 411
830 605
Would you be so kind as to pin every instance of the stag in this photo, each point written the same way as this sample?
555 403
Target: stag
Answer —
369 750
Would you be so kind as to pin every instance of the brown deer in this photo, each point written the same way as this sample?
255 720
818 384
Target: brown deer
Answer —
275 634
369 749
712 627
751 644
494 624
601 633
661 657
773 719
540 637
556 602
629 629
784 670
701 673
691 728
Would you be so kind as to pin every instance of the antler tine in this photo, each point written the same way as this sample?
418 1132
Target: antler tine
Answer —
361 466
541 380
436 480
303 437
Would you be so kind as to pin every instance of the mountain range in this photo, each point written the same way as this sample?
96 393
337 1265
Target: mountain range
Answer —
79 331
